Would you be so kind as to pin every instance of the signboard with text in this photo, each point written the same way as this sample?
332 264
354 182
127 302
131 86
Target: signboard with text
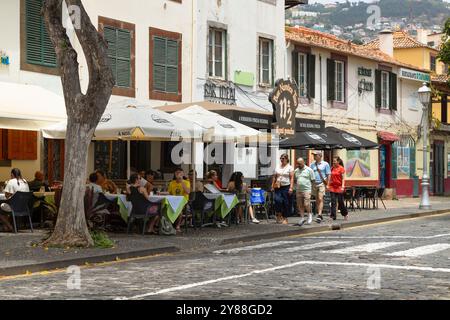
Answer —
284 99
414 75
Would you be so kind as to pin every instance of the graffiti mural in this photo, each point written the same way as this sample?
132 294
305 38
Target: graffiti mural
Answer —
358 164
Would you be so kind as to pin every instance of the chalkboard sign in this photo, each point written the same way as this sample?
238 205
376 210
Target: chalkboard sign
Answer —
110 157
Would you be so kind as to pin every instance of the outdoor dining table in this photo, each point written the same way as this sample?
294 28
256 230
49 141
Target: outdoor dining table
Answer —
172 206
48 196
223 203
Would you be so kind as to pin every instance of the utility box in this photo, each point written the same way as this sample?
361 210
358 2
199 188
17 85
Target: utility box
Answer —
415 186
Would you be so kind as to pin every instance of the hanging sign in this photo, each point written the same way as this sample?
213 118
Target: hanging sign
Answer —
284 99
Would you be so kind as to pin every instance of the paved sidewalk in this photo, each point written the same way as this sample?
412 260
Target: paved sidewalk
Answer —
18 255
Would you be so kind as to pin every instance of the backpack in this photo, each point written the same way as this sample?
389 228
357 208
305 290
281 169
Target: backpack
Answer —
166 228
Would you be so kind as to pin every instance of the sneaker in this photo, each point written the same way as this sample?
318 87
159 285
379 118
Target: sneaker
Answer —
256 221
309 219
319 219
301 223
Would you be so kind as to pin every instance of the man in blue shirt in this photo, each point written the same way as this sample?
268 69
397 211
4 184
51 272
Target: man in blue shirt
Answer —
322 172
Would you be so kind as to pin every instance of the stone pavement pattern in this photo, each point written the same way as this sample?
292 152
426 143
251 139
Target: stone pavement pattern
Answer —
412 258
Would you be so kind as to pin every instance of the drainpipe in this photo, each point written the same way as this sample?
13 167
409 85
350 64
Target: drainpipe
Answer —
192 50
320 68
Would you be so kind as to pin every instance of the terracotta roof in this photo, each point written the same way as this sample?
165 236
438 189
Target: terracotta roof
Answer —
402 40
320 39
440 78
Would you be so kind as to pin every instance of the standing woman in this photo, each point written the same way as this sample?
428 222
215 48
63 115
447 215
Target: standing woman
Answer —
336 188
283 185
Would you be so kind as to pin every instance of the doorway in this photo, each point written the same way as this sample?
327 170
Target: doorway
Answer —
385 156
438 168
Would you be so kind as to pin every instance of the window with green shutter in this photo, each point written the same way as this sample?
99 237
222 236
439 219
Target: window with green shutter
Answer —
119 54
39 48
165 65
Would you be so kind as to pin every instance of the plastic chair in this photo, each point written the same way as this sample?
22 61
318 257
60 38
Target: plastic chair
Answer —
140 210
200 204
259 201
20 206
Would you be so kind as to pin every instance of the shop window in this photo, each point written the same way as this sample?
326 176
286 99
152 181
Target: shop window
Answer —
217 53
120 37
54 159
165 65
404 158
265 62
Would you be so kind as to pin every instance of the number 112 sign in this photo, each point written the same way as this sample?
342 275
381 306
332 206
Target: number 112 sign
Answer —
284 99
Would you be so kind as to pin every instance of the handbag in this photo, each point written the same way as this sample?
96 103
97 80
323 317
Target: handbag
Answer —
321 177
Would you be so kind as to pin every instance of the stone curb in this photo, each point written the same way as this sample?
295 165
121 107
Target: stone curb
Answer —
344 225
62 264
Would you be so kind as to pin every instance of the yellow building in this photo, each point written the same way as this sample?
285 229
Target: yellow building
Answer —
424 55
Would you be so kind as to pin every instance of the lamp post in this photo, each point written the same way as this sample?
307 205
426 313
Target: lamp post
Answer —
425 98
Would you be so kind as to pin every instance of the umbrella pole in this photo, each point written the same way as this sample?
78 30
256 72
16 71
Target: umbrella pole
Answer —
194 177
128 159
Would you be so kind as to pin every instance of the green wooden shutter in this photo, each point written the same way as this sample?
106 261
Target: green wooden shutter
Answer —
159 64
172 66
331 80
123 55
378 89
110 37
412 161
39 48
394 160
311 87
295 68
393 91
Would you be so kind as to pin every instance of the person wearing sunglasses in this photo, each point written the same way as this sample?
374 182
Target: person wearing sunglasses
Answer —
283 185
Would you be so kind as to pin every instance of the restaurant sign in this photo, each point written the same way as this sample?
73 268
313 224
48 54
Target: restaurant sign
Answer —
284 99
223 92
414 75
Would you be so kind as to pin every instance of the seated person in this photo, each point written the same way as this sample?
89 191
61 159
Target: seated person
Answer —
38 182
92 184
134 186
179 186
213 178
16 184
238 186
106 184
199 187
142 178
150 178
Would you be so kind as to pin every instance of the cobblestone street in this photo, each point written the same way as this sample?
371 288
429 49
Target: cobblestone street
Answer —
400 260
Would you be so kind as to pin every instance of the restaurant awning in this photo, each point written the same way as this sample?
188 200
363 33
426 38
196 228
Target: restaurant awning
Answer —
29 107
131 120
388 136
350 141
310 140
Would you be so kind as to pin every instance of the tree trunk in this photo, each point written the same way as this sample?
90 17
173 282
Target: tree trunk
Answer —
84 112
71 228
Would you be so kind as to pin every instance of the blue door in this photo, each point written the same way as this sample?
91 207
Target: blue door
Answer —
383 166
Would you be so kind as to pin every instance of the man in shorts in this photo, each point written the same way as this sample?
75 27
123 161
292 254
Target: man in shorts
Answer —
304 180
322 172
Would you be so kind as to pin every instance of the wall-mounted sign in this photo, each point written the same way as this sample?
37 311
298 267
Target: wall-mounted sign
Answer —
364 72
224 93
309 125
414 75
365 85
4 58
284 99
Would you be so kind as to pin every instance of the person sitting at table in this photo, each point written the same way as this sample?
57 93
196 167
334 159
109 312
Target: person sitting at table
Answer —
142 179
134 186
213 178
16 184
38 182
92 184
238 186
199 187
106 184
150 178
179 186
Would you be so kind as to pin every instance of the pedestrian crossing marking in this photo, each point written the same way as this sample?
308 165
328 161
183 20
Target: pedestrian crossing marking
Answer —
421 251
369 247
259 246
314 246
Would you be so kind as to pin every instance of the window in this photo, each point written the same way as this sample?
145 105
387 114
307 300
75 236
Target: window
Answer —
385 90
339 81
302 74
217 53
120 37
265 62
433 63
165 65
37 51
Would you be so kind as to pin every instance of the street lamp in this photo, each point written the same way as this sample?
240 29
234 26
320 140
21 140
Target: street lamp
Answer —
425 98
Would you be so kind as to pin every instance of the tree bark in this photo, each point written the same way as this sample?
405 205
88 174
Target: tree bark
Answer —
84 112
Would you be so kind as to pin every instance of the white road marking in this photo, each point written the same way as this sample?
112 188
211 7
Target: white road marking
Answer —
380 237
369 247
421 251
314 246
259 246
286 266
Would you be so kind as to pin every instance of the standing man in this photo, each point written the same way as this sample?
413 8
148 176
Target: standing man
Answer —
322 172
304 180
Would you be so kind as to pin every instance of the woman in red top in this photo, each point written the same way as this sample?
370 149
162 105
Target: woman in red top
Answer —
336 187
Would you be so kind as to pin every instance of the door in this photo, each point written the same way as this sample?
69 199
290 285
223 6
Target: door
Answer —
383 166
438 168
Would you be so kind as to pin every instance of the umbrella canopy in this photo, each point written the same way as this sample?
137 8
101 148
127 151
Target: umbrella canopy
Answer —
29 107
310 140
350 141
134 121
219 127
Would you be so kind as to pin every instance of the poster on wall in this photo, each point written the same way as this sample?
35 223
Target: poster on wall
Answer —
358 164
403 162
